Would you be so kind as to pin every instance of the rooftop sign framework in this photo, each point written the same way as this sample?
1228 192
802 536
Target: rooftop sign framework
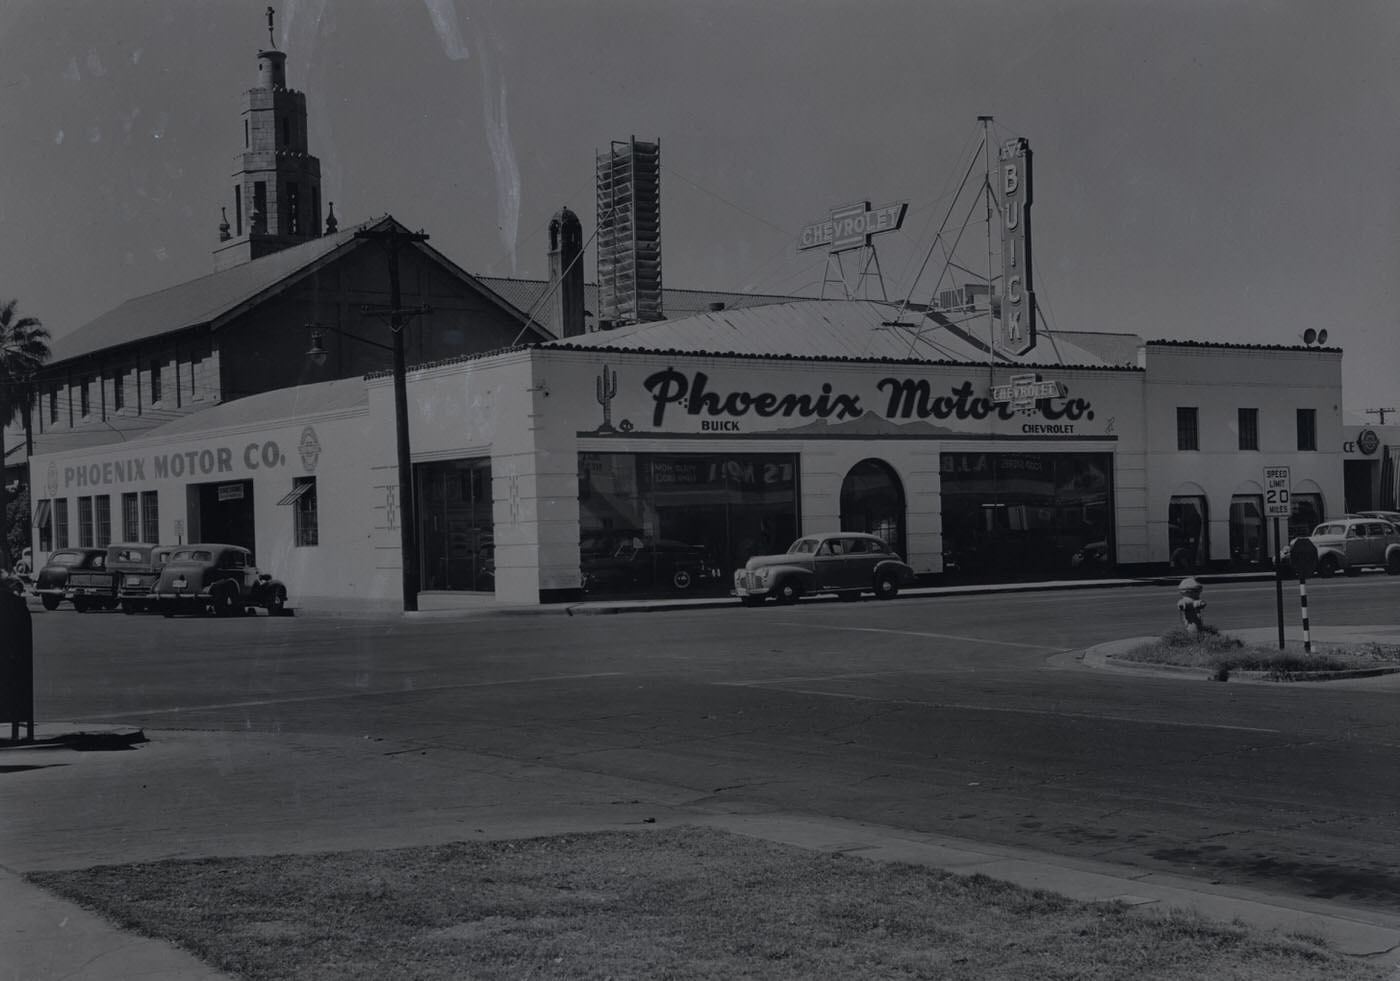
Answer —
850 226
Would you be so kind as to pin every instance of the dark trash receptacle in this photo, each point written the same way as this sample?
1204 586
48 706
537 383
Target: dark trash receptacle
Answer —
16 662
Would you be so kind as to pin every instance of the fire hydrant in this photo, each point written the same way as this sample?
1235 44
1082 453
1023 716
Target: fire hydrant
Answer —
1191 605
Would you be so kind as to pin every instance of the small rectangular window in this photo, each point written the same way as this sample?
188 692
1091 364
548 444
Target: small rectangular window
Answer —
1249 429
1307 429
1188 435
238 200
305 523
131 518
150 517
60 522
104 521
85 522
43 520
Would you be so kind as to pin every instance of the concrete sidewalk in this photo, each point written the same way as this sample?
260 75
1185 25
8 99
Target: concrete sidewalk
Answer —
189 794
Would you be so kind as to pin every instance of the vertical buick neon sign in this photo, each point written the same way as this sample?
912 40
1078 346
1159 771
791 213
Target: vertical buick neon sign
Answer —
1017 333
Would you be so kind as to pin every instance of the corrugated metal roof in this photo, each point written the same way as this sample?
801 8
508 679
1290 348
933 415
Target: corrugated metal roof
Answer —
841 329
527 296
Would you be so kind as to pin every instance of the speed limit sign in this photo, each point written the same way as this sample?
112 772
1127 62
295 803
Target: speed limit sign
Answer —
1277 503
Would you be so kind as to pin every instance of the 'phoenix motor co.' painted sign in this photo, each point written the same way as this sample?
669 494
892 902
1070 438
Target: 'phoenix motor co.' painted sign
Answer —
721 410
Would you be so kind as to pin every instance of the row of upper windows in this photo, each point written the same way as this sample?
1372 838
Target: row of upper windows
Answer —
1188 428
146 385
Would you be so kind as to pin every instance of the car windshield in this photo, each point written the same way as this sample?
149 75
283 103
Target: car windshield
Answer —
191 555
66 558
803 546
1331 529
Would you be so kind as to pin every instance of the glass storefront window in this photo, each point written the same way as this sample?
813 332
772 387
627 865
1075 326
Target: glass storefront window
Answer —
1188 539
1247 530
1020 514
659 523
456 543
1307 515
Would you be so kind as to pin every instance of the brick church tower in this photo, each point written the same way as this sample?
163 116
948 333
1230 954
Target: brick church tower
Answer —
277 182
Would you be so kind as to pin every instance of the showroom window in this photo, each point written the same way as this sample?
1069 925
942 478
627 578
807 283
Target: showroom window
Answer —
1307 515
1017 514
662 523
1247 539
1188 532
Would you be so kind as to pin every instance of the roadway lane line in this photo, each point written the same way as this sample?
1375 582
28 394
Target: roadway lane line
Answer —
920 633
966 707
332 696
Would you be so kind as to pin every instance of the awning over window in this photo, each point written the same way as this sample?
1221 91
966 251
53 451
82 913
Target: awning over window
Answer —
294 495
42 513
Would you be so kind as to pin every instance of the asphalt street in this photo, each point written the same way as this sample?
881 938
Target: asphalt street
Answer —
964 715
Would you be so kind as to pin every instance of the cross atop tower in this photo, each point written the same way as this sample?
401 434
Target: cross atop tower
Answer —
270 40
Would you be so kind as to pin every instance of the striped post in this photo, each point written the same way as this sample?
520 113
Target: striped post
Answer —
1303 599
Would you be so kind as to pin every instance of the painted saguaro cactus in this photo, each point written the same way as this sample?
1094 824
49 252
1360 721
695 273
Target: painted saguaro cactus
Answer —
606 384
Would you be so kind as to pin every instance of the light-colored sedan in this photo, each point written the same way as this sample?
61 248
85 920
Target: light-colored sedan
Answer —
846 563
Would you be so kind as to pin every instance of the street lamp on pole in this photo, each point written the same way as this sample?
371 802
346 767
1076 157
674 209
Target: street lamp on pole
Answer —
393 240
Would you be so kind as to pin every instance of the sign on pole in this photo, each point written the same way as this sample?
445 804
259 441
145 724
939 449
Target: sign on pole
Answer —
1277 498
1278 504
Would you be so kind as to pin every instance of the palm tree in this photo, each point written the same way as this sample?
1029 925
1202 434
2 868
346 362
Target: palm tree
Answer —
23 348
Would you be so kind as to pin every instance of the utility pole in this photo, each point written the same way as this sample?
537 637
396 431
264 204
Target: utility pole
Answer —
1379 412
393 241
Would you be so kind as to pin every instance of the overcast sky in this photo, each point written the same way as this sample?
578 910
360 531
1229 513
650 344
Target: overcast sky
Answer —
1204 169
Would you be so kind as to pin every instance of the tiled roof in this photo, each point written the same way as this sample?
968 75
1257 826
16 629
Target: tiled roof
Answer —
841 329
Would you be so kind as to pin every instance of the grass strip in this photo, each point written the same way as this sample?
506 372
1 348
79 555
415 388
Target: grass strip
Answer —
1222 654
684 903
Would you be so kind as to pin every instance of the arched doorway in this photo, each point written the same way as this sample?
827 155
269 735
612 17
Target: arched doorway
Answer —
872 501
1188 530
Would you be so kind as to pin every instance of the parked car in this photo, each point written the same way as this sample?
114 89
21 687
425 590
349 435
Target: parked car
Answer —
135 568
216 578
648 563
1392 516
1351 544
846 563
78 575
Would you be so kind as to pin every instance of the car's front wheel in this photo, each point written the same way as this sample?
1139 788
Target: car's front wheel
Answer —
682 579
1328 567
1392 563
788 592
81 605
50 602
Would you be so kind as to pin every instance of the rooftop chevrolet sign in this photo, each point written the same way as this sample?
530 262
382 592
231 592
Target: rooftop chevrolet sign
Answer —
851 226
